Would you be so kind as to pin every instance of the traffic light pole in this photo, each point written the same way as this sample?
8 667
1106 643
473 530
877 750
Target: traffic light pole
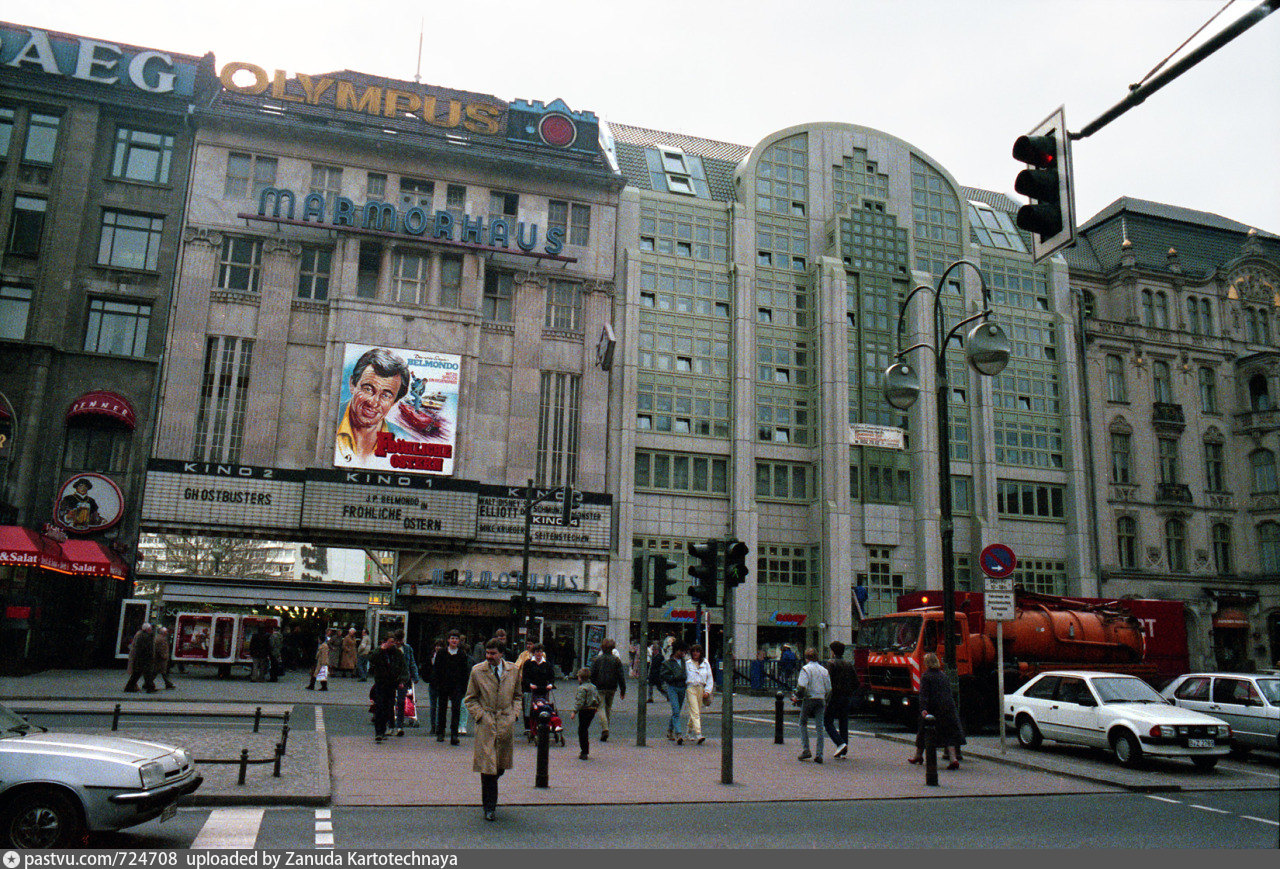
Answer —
726 694
1139 93
521 628
642 719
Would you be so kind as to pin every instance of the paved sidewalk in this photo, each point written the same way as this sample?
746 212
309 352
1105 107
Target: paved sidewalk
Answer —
320 768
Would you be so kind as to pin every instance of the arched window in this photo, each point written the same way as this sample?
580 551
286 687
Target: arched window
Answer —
1213 476
1162 383
1117 389
1127 541
1264 471
1162 311
1120 457
1222 548
1193 315
1175 545
1259 395
1148 308
1269 547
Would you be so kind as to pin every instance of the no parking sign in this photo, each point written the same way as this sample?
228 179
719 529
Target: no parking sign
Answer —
998 561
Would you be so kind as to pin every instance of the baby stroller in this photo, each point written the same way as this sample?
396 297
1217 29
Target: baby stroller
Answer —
537 705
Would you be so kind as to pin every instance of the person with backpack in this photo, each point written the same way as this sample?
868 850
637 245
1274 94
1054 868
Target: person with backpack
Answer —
674 684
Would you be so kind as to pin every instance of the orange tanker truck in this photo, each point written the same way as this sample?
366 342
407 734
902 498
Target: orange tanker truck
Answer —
1047 633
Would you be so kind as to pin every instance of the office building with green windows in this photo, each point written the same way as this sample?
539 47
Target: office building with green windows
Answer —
759 291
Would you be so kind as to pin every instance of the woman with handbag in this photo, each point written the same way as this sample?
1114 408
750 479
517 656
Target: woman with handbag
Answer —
699 683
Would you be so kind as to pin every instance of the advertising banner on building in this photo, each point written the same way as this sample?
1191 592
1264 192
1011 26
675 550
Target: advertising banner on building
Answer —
398 410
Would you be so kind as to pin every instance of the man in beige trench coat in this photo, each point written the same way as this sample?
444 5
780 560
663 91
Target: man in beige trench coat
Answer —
493 702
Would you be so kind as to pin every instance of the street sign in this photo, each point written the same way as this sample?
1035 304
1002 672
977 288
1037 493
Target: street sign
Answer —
998 561
999 605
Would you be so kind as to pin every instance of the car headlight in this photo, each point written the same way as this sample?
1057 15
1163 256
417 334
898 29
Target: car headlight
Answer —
182 756
152 773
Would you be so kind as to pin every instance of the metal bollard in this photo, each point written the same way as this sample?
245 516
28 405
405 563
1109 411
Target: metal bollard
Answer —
115 718
777 718
284 737
279 754
257 718
286 716
244 765
540 779
930 730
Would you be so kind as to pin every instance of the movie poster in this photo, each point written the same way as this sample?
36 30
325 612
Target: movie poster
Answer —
398 410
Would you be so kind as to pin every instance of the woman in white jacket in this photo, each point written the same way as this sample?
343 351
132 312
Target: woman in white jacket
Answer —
699 684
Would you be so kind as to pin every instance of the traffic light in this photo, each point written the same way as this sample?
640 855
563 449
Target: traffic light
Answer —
515 606
662 581
707 571
736 570
1050 217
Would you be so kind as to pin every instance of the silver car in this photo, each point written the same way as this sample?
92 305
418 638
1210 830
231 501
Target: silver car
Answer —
1249 702
1116 711
56 788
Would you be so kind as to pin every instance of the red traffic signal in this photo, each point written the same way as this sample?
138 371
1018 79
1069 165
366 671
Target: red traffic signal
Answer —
1050 216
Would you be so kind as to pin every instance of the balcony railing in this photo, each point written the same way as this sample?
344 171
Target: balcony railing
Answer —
1167 415
1173 493
1260 421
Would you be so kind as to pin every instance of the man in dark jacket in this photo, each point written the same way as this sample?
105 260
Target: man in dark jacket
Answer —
608 677
449 674
655 669
390 671
844 681
142 653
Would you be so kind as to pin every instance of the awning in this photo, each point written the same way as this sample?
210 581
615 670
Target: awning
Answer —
90 558
104 403
19 545
1230 617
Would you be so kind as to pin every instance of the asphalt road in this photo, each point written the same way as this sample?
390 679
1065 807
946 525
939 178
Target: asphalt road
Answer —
1194 820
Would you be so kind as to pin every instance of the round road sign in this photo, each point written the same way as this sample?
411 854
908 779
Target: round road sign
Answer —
998 561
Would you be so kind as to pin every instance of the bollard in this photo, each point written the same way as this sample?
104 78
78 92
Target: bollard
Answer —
244 765
540 779
929 729
284 737
279 754
777 719
257 718
115 718
286 716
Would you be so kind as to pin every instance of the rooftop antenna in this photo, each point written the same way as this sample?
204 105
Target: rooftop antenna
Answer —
417 76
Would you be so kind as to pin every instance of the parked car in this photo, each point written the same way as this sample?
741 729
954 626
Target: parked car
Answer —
1112 710
55 788
1249 702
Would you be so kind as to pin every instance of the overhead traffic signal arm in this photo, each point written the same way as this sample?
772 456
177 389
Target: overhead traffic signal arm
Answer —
1050 216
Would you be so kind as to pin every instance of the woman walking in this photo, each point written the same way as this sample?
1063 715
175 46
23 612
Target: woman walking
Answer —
936 700
699 683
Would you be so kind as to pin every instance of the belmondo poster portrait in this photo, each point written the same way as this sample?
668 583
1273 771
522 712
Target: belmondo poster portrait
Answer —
398 410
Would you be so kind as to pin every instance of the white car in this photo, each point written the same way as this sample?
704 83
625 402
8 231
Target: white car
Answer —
1112 710
1249 702
55 788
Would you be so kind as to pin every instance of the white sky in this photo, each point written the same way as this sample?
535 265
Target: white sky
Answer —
960 79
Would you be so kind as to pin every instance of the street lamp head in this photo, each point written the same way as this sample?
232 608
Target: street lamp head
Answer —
988 348
901 385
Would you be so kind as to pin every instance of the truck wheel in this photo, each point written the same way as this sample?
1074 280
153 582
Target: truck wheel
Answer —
1127 749
1028 733
1204 764
40 818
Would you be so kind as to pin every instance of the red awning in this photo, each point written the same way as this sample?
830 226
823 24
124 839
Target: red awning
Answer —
104 403
19 545
90 558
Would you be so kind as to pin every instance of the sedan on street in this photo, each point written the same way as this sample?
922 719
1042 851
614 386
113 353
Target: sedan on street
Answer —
55 788
1116 711
1249 702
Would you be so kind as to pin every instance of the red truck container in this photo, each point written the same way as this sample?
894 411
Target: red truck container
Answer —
216 638
1146 638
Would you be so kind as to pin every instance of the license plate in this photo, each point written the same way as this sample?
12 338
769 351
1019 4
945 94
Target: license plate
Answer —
1199 743
169 811
885 701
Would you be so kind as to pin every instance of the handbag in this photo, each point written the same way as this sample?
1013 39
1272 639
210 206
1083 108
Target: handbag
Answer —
706 698
323 674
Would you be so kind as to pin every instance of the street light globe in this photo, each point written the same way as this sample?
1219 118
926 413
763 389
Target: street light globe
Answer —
901 385
988 348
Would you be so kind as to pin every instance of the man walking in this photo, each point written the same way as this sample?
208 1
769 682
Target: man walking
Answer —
608 677
142 653
844 681
492 698
812 688
449 675
162 657
390 673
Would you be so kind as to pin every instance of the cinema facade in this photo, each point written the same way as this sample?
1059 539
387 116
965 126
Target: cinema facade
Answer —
386 321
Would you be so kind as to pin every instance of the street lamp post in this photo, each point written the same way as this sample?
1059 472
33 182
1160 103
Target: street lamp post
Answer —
987 350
